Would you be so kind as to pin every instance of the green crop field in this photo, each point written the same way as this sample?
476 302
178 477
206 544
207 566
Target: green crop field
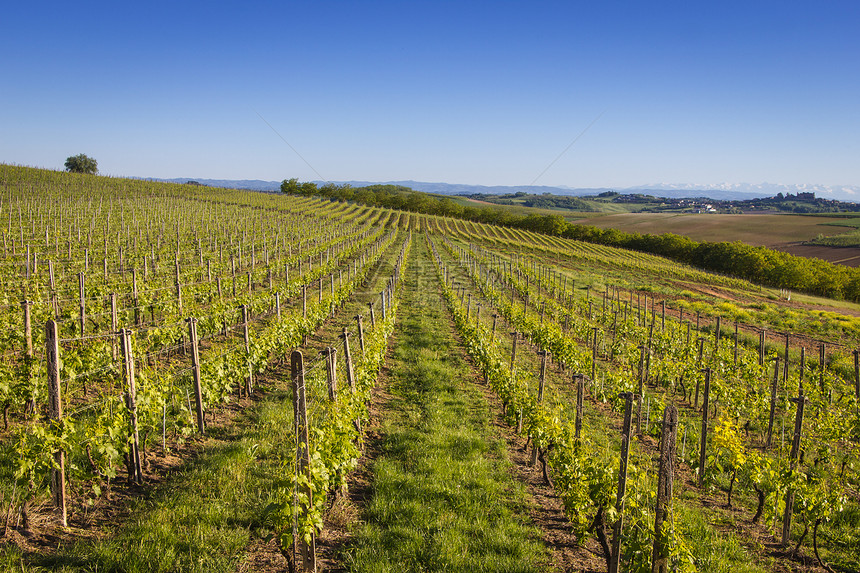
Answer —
599 208
202 379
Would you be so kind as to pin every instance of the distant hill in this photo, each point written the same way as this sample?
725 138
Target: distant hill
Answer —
250 184
721 191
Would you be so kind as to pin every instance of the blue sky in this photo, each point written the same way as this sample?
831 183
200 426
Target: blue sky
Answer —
461 92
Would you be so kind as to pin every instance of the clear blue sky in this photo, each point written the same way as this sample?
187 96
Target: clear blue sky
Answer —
461 92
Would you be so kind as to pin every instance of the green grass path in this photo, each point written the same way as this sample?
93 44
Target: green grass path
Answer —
443 496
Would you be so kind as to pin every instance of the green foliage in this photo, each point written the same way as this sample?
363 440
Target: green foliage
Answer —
82 163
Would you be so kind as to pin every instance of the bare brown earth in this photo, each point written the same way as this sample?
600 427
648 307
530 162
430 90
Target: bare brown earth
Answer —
848 256
546 509
781 232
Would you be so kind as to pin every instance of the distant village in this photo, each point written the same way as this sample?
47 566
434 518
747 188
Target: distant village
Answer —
781 203
799 203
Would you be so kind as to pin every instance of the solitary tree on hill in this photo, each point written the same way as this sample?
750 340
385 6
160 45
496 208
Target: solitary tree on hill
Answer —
82 164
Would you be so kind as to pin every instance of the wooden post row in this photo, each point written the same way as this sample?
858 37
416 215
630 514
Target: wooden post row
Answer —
55 412
330 354
795 450
307 551
773 392
83 306
640 394
195 368
136 474
246 319
358 319
544 354
347 355
665 480
704 438
580 394
615 552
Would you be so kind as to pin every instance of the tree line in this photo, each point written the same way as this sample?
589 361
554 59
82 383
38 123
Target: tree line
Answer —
757 264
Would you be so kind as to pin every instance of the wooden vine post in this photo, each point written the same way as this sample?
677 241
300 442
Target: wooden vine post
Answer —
544 354
135 473
857 374
736 343
114 325
358 320
822 363
83 306
331 372
704 438
55 412
640 394
178 287
615 552
513 351
28 330
195 369
304 301
249 385
135 297
347 357
307 550
580 393
372 315
773 391
717 333
795 450
696 399
665 479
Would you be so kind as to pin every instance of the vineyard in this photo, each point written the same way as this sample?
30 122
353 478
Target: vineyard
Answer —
190 374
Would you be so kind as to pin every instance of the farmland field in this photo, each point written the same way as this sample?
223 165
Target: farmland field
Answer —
777 231
756 229
199 379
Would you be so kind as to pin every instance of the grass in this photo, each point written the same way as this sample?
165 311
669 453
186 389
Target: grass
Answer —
848 239
443 498
203 520
713 550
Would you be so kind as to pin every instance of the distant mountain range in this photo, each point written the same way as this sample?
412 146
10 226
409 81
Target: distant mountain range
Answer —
722 191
